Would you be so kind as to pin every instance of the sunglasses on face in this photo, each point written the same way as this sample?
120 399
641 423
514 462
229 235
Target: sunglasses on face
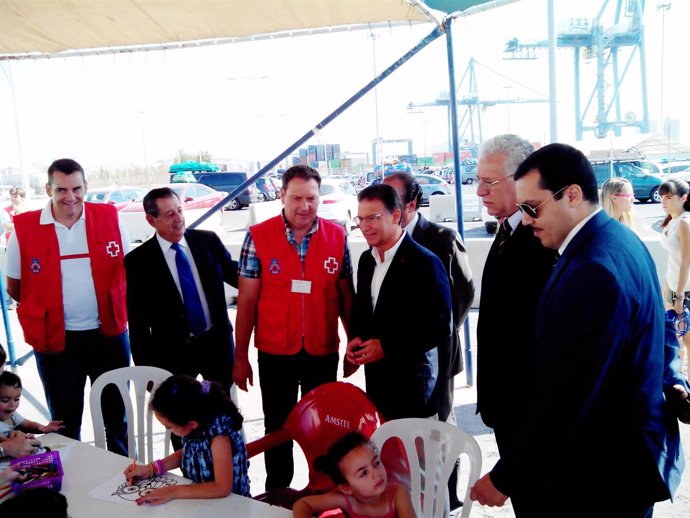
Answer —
533 212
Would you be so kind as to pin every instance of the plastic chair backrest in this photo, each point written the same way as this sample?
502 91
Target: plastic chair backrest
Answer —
323 416
140 377
431 448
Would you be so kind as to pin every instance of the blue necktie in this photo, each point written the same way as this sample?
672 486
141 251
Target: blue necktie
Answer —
190 295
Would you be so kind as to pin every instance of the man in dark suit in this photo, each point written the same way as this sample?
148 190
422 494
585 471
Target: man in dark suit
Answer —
447 245
600 430
516 270
160 329
401 359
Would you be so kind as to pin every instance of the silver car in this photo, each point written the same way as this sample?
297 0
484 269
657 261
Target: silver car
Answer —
432 185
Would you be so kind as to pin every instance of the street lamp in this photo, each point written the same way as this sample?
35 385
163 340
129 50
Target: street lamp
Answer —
508 87
379 146
250 83
663 8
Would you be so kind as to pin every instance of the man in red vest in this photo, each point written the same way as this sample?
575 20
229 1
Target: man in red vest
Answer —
65 266
295 281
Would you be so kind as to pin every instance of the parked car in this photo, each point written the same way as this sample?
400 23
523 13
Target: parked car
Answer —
228 182
645 185
431 186
266 189
182 177
671 168
277 184
118 196
469 171
338 202
196 200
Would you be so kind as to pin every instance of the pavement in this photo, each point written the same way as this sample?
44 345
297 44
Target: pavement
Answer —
33 407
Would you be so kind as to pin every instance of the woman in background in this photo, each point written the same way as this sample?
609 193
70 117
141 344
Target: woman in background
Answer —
676 240
617 200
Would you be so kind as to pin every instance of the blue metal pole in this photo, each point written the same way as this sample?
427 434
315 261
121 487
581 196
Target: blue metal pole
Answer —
438 31
6 321
453 105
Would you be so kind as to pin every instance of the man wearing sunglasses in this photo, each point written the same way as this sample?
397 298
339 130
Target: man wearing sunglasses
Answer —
400 354
598 431
516 270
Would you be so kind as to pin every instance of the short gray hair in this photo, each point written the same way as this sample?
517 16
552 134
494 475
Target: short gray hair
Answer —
514 147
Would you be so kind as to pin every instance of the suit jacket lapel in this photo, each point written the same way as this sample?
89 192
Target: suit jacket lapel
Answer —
421 227
583 235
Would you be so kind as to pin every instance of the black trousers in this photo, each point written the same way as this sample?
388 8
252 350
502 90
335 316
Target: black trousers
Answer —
87 354
280 376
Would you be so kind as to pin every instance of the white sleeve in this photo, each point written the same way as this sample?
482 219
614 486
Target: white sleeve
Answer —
13 266
124 236
17 418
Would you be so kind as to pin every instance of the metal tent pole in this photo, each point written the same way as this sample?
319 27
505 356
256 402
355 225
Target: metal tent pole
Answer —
452 102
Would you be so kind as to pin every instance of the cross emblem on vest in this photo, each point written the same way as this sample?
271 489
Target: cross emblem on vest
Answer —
331 265
113 249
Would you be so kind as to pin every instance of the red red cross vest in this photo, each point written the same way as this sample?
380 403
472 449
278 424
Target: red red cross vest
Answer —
40 310
284 316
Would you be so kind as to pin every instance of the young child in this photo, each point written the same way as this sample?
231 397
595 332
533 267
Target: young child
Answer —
213 454
10 419
353 464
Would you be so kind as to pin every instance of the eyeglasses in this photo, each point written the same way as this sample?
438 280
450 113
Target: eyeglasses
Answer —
482 184
17 194
532 212
370 220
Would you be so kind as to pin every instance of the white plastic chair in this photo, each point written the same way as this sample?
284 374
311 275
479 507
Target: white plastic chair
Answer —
439 445
139 377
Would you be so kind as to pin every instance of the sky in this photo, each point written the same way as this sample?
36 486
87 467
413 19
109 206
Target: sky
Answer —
246 102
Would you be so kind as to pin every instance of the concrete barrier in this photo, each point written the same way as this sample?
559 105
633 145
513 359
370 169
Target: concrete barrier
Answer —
478 250
442 208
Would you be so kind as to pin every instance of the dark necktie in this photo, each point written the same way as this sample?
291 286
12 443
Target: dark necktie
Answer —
190 295
503 233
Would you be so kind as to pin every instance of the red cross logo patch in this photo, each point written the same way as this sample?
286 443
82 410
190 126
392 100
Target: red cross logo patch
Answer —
113 249
330 265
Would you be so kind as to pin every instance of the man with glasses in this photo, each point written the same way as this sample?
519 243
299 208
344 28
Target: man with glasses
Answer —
401 357
295 281
447 245
516 270
598 430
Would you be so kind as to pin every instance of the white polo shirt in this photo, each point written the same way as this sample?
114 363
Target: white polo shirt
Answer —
78 290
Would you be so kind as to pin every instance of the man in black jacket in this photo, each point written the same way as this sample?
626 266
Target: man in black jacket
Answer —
161 325
447 245
514 276
392 349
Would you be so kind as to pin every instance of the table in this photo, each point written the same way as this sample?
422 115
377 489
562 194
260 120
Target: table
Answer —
87 467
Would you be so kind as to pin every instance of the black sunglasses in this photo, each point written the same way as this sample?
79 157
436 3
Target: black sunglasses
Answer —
532 211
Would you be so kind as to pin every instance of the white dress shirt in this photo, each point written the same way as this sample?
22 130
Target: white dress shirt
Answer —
382 268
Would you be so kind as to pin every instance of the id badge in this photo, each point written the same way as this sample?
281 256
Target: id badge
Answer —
299 286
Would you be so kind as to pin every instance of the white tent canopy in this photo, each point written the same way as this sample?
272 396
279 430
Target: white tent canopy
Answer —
51 26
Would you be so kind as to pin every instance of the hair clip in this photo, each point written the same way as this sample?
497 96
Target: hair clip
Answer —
205 387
